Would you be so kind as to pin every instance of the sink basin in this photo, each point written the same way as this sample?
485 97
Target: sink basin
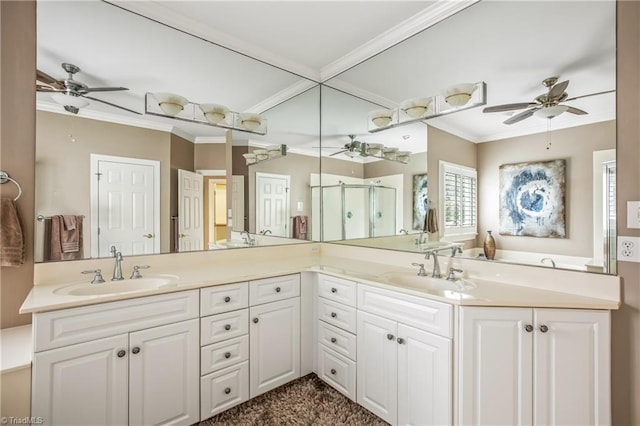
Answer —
113 287
450 289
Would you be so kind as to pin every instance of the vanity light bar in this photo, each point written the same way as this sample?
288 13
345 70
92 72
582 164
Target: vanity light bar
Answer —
192 112
454 99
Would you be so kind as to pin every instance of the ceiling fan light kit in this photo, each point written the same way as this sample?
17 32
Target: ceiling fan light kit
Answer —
69 100
550 111
456 98
210 114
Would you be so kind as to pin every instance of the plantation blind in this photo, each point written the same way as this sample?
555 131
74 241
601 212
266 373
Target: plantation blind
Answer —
459 189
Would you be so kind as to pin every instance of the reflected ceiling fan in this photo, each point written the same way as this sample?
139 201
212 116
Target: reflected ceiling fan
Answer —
352 148
71 93
547 105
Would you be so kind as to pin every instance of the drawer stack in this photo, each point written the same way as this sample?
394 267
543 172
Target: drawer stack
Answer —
336 330
224 352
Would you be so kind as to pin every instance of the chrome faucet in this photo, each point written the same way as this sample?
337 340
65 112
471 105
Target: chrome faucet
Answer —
452 274
436 266
403 231
247 238
553 263
117 269
266 231
456 249
421 271
421 238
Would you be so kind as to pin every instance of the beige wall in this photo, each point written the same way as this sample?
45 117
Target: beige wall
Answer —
336 166
576 146
64 144
17 142
210 156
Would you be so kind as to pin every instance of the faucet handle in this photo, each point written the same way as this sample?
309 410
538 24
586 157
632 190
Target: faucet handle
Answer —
97 279
421 271
452 273
136 271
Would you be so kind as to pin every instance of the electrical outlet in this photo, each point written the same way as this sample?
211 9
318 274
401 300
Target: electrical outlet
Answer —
629 249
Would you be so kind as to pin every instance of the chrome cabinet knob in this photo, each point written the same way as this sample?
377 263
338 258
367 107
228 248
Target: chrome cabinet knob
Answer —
333 371
227 355
528 328
400 340
333 340
390 336
255 320
121 353
333 315
544 328
334 290
135 350
278 289
227 299
227 391
227 327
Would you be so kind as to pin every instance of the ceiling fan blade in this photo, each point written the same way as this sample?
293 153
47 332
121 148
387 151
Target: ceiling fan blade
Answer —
557 90
519 117
576 111
338 152
45 78
103 89
113 105
47 88
590 94
509 107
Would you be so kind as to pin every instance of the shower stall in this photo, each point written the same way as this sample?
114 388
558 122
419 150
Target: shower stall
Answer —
356 211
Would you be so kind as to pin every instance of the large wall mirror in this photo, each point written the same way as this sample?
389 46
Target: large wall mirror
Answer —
493 42
128 180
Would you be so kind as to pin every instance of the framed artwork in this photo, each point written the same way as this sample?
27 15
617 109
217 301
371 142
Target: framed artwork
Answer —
420 201
532 197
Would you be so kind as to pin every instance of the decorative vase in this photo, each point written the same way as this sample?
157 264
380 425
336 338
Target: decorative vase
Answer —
489 246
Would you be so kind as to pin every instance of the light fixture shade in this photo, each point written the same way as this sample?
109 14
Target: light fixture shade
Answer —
416 107
171 104
250 120
550 111
69 100
381 117
458 95
214 113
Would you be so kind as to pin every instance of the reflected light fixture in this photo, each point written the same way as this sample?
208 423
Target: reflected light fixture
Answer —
550 112
171 104
381 117
250 120
263 154
459 95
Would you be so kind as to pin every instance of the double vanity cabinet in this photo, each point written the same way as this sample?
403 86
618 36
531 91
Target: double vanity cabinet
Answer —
410 358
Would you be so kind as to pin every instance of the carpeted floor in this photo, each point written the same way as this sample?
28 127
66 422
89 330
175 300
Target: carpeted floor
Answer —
305 401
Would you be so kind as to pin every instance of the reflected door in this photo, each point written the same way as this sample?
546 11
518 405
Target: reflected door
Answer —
272 201
190 210
125 205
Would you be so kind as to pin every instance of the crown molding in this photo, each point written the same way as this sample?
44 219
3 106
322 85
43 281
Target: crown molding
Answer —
166 16
357 91
284 95
431 15
209 139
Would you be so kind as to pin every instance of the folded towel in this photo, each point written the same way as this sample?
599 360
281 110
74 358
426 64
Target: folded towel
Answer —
11 237
300 227
431 223
63 244
69 222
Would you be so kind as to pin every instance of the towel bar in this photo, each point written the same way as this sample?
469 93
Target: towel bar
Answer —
41 218
4 178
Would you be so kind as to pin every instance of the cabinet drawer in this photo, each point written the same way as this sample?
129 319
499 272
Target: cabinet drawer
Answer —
338 371
224 389
223 354
418 312
217 328
337 314
76 325
223 298
337 289
339 340
272 289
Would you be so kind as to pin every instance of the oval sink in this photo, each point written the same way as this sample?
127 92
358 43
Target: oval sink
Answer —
113 287
450 289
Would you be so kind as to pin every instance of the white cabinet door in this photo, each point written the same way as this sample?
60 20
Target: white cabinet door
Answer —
377 366
82 384
274 345
495 369
572 367
424 378
164 375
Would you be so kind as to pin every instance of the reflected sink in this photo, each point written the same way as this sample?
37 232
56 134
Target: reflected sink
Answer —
154 282
450 289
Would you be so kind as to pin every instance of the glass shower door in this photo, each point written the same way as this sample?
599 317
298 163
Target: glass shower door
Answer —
383 202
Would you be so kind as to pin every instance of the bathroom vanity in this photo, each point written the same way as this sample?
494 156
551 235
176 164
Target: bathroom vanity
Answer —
508 344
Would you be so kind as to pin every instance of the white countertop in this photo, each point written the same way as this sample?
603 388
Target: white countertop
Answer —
488 292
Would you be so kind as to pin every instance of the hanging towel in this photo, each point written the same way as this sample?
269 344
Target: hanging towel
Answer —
431 223
11 237
300 227
62 243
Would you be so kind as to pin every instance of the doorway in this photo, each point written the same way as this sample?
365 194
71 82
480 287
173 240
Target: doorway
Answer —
272 203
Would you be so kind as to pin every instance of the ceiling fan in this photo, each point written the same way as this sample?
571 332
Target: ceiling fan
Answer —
547 105
352 148
70 93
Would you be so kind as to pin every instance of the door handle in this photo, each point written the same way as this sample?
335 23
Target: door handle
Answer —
183 235
148 235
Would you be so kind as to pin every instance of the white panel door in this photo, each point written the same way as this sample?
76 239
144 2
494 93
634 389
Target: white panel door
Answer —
424 378
164 378
571 371
237 203
377 378
82 384
272 203
495 367
190 211
274 345
126 206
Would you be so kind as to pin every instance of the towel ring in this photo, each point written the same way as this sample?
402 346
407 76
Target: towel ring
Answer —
4 178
